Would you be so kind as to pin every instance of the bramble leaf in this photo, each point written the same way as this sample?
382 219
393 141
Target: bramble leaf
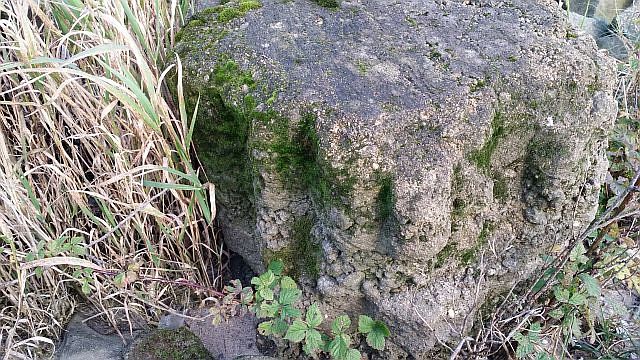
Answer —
314 316
353 354
296 331
340 324
376 337
279 327
288 311
276 267
289 296
339 347
266 293
265 328
288 283
590 284
365 324
313 341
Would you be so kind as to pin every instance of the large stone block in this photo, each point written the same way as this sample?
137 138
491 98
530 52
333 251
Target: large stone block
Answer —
410 159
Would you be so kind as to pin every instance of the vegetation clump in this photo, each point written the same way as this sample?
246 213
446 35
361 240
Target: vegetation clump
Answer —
482 156
164 344
331 4
276 298
303 254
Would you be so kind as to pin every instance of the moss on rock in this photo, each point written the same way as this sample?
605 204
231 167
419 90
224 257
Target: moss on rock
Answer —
163 344
303 255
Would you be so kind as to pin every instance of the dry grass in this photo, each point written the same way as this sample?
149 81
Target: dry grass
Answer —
98 197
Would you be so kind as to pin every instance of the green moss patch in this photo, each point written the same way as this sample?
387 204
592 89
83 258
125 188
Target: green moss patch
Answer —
221 135
385 200
541 154
165 344
331 4
298 157
302 256
230 10
482 156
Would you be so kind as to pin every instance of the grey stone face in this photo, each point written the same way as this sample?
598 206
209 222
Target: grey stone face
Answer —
409 159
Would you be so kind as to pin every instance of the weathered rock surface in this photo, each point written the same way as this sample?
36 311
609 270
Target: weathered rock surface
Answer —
410 159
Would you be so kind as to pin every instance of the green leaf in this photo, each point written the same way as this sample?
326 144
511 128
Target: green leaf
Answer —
313 341
577 299
375 339
340 324
382 328
289 296
289 311
266 293
556 313
534 331
577 254
288 283
276 267
265 328
339 347
256 281
543 356
365 324
296 331
353 354
269 309
314 316
561 294
376 335
544 279
279 327
591 285
267 278
525 347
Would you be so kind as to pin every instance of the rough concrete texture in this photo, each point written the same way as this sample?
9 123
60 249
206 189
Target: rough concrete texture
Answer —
411 159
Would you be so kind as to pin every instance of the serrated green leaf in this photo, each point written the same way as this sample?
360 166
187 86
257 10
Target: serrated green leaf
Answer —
288 311
591 285
266 293
276 267
556 313
288 283
534 331
375 339
314 316
279 327
382 328
269 309
577 254
313 341
296 331
289 296
339 347
353 354
340 324
365 324
267 278
265 328
544 279
561 294
256 281
577 299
